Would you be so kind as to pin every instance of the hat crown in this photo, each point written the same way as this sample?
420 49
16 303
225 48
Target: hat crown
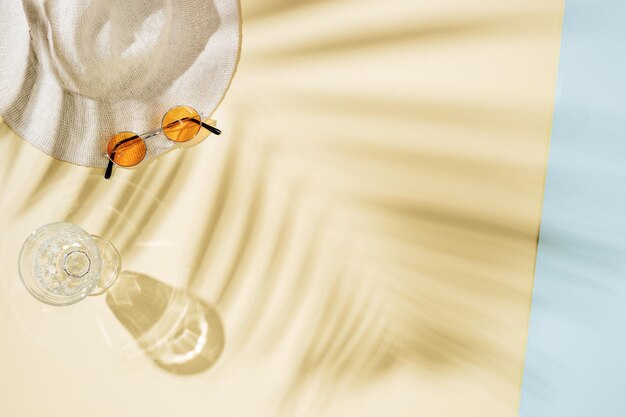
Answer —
110 48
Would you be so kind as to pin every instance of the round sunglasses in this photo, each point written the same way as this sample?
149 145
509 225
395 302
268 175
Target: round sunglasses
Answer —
180 124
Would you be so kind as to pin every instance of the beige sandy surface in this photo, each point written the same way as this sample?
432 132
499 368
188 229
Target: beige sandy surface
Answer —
365 227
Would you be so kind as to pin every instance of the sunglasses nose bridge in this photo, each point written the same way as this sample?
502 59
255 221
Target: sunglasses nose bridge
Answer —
151 134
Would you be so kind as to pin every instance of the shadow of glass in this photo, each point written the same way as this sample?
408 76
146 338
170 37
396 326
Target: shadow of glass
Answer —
179 332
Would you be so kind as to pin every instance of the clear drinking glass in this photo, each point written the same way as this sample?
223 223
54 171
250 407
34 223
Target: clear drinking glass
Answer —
60 264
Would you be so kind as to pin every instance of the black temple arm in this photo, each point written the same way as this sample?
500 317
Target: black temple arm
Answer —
196 121
109 171
210 128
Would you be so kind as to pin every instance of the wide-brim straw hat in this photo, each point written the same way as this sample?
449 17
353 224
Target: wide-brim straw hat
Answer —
75 72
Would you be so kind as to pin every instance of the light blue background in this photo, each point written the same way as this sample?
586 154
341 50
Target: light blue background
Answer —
576 353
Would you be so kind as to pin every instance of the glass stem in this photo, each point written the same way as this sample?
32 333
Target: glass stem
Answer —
111 265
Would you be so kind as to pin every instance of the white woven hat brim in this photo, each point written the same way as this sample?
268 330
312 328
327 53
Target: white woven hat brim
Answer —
67 103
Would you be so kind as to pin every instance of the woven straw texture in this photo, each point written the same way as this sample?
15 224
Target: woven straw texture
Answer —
73 73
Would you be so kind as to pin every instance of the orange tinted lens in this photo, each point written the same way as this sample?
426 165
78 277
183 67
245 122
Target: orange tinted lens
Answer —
181 124
126 149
